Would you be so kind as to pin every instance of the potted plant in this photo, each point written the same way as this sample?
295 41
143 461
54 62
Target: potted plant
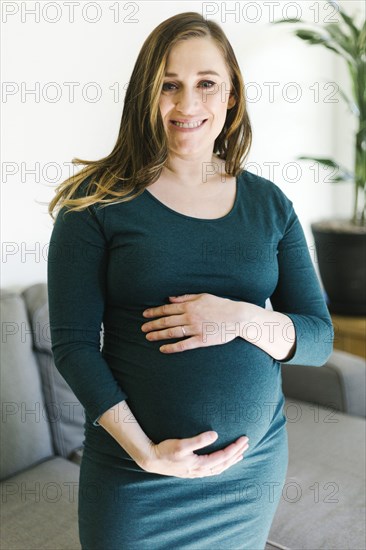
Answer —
341 243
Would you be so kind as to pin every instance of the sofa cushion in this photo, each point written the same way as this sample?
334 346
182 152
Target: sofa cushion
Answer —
317 384
340 384
39 507
65 412
351 371
322 503
25 433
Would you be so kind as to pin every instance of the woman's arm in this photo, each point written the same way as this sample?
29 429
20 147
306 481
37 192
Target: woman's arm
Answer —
299 330
271 331
120 423
77 264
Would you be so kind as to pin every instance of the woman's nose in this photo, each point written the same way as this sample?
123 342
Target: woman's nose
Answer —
187 99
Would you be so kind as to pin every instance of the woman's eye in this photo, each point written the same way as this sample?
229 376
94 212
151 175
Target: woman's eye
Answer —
208 82
169 86
165 86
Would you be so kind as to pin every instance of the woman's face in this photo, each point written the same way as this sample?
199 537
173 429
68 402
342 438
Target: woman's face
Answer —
189 96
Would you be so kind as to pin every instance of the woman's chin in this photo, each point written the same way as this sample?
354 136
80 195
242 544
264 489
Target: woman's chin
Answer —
189 149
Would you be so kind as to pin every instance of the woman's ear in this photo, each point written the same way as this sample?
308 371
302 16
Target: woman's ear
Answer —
232 101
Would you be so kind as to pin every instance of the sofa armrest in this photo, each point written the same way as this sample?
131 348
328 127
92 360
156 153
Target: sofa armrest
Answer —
340 384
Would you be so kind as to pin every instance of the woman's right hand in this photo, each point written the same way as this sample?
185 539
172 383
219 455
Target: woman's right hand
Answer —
175 457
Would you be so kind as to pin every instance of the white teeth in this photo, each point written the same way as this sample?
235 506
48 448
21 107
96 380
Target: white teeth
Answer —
188 124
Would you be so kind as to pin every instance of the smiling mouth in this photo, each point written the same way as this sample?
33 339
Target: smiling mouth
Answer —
195 124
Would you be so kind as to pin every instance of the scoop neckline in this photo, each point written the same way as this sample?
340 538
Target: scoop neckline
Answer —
229 214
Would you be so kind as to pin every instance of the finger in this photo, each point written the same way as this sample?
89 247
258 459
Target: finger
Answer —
164 322
219 457
183 345
215 469
226 465
189 444
166 309
184 297
173 332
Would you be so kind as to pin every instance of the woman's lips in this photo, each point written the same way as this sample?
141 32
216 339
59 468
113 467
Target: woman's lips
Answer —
180 129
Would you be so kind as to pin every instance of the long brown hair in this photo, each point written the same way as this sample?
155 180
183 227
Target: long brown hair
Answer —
141 149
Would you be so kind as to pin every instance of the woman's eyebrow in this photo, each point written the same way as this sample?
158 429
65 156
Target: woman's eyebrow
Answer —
199 73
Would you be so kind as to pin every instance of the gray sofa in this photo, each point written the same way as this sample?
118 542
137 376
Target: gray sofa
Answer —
322 504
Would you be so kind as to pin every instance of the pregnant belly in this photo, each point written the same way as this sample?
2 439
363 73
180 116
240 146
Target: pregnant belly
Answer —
234 389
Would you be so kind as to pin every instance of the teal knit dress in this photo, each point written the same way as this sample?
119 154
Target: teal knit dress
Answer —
107 265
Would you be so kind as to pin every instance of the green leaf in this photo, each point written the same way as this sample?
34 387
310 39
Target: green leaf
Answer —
348 20
341 178
308 34
288 21
343 40
340 52
342 173
325 161
353 107
361 134
314 37
362 39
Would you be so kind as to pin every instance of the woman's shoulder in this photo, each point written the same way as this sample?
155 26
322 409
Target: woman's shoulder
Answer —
83 188
257 188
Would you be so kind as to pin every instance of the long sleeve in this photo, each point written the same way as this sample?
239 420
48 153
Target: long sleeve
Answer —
299 296
77 265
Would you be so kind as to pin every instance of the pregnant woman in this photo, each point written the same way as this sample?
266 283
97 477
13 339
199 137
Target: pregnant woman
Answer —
175 248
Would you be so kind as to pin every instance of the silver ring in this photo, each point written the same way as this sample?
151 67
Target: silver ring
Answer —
184 332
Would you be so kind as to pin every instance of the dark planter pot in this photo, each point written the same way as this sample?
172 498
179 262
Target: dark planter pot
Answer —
341 253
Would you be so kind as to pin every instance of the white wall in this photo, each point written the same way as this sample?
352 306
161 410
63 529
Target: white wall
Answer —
43 134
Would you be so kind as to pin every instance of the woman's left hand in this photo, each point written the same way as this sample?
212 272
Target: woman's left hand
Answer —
207 320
